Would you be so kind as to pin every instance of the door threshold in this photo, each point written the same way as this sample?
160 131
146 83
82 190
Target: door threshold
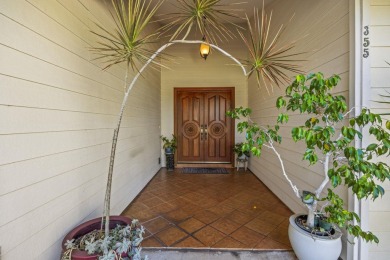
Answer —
204 165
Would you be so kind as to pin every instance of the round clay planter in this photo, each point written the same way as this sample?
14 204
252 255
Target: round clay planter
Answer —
308 246
89 226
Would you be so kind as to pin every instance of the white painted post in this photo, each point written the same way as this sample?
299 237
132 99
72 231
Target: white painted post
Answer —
359 90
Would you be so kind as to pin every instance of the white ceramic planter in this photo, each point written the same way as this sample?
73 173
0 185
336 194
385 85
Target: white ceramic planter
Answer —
308 247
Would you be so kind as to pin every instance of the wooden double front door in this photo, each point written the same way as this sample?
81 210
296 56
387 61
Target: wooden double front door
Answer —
205 134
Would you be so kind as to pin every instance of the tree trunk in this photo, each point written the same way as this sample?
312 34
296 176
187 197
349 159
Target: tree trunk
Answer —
311 216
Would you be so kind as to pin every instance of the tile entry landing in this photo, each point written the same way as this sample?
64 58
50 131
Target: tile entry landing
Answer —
222 211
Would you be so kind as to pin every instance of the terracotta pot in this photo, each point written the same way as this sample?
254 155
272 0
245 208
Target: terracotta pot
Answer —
89 226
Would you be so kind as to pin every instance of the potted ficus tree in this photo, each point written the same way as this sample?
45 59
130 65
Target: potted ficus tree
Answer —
329 134
130 43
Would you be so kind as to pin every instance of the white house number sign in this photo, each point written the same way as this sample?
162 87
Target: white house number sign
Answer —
366 42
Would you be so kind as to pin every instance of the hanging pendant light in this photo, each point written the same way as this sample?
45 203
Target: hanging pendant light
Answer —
204 48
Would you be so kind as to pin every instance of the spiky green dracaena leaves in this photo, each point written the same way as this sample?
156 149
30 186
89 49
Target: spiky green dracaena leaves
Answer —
267 59
384 102
386 99
209 16
128 42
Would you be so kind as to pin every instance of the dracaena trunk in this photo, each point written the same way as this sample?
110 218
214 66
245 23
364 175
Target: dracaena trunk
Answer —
107 200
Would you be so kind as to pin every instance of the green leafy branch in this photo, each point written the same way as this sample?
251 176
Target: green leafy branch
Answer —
258 136
328 143
343 163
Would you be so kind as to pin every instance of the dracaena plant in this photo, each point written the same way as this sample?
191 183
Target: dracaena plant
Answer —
268 60
129 42
328 135
210 17
385 99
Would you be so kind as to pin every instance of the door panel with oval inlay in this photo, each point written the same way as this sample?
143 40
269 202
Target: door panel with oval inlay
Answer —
205 134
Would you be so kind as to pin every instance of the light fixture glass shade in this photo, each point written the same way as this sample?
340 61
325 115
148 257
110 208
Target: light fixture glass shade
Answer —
204 49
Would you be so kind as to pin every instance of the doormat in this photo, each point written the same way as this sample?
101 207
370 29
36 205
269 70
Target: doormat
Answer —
205 170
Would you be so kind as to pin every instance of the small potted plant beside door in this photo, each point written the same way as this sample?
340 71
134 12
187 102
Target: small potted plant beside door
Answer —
169 146
242 155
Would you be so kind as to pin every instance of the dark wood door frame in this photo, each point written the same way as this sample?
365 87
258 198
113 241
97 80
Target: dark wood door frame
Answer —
230 90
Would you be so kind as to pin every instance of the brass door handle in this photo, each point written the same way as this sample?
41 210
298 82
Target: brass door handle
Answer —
203 132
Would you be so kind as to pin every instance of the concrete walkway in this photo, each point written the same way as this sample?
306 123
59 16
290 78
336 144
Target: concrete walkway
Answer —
186 254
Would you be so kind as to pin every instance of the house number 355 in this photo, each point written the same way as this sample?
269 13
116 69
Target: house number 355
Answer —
366 42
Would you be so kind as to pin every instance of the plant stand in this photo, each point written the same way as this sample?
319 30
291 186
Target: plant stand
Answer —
308 246
170 159
242 161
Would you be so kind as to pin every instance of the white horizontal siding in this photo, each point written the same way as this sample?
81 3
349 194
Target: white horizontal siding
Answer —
331 57
380 77
380 2
58 110
322 31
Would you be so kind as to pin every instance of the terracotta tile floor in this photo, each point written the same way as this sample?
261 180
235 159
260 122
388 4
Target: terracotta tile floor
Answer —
233 210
